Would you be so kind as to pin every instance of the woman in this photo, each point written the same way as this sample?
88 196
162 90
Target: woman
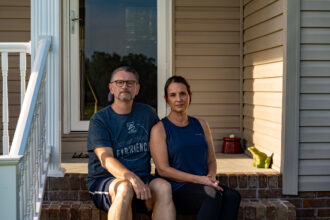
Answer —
183 151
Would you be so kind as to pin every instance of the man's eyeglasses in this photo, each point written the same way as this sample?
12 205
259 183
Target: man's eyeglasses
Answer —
120 83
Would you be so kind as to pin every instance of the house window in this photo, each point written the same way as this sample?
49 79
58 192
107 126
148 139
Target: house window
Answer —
106 34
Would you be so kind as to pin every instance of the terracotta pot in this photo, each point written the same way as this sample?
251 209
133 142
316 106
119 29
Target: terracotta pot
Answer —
231 145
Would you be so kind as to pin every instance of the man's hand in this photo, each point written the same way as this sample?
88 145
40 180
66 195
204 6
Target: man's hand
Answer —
141 190
118 170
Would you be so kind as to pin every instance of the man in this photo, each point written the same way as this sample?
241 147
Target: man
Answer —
119 160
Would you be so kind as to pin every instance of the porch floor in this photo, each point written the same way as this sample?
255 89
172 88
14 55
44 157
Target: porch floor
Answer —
227 163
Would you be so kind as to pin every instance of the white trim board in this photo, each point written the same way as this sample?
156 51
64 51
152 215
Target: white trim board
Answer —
291 77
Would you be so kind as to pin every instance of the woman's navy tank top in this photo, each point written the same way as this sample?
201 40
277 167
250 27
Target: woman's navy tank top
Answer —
187 148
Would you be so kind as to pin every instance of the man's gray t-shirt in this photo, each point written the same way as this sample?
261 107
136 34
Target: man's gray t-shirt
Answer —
126 134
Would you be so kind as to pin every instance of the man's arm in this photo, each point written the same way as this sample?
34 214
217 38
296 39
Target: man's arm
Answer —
118 170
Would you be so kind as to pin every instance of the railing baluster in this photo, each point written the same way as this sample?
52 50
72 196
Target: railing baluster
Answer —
38 149
28 178
24 188
43 120
5 118
20 186
40 144
41 134
33 164
31 174
35 161
27 182
22 61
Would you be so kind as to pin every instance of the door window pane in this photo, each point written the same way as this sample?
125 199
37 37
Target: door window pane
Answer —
114 33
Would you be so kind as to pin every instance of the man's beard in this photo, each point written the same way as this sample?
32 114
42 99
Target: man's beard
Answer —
124 97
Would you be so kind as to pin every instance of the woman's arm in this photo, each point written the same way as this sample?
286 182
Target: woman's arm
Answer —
158 149
211 161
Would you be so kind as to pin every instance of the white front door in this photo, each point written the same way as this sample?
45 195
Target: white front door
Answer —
106 34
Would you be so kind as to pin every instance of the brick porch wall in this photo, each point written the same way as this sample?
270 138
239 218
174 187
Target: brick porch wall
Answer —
309 205
257 190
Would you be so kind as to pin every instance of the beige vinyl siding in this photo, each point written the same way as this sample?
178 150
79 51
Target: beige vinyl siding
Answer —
263 76
14 27
207 53
74 142
14 20
314 141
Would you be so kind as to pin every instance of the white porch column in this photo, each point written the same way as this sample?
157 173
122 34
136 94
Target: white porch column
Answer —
46 20
9 187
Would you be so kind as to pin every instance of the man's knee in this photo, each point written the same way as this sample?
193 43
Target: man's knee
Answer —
122 189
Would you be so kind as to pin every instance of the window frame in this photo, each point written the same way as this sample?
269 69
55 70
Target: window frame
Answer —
71 93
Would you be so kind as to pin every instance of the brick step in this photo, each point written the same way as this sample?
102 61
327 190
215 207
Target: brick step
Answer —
252 186
83 211
249 210
72 187
68 197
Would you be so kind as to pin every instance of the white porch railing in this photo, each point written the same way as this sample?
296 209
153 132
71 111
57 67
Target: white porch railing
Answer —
23 171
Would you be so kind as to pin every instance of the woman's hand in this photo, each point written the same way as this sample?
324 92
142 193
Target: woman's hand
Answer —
210 181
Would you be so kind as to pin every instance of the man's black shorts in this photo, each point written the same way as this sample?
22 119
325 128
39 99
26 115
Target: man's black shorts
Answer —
99 192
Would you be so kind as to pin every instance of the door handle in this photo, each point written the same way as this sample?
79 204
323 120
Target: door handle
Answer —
73 19
76 19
